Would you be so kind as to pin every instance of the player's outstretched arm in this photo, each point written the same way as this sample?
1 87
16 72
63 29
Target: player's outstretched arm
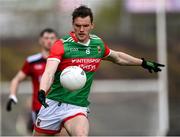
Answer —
121 58
13 89
46 80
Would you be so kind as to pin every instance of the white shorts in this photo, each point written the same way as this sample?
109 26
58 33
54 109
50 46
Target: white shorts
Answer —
50 120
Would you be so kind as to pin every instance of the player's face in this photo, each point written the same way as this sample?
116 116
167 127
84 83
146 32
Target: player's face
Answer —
82 28
47 40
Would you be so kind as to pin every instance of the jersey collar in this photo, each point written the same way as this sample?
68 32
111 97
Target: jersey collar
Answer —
85 44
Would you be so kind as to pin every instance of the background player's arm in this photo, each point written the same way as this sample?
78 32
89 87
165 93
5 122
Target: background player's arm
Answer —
13 89
20 76
121 58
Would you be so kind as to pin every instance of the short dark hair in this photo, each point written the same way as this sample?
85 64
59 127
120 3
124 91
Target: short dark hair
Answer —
83 12
48 30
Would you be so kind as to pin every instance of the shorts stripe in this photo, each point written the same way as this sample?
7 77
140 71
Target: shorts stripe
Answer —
70 117
46 131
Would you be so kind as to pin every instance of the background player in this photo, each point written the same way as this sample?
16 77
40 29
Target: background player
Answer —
80 48
33 67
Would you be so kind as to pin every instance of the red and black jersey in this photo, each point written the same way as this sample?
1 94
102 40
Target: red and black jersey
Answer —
34 67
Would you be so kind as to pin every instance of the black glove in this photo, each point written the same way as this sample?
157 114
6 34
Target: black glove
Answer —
151 66
12 100
42 98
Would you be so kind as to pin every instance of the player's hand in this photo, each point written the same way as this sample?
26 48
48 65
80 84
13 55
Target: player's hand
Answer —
12 100
151 66
42 98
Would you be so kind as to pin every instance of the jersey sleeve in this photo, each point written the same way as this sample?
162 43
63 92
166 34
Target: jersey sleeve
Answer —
26 68
107 50
57 51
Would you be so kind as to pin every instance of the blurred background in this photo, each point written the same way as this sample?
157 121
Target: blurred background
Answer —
125 100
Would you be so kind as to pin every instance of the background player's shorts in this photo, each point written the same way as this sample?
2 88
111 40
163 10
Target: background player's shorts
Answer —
34 116
31 120
51 119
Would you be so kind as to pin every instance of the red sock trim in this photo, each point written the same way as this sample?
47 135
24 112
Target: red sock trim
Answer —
46 131
70 117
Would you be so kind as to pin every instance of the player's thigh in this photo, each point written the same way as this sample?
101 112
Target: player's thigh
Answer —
77 126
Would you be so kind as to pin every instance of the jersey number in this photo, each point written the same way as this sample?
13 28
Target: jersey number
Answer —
88 51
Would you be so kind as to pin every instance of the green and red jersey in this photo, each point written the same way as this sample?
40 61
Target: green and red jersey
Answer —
69 52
